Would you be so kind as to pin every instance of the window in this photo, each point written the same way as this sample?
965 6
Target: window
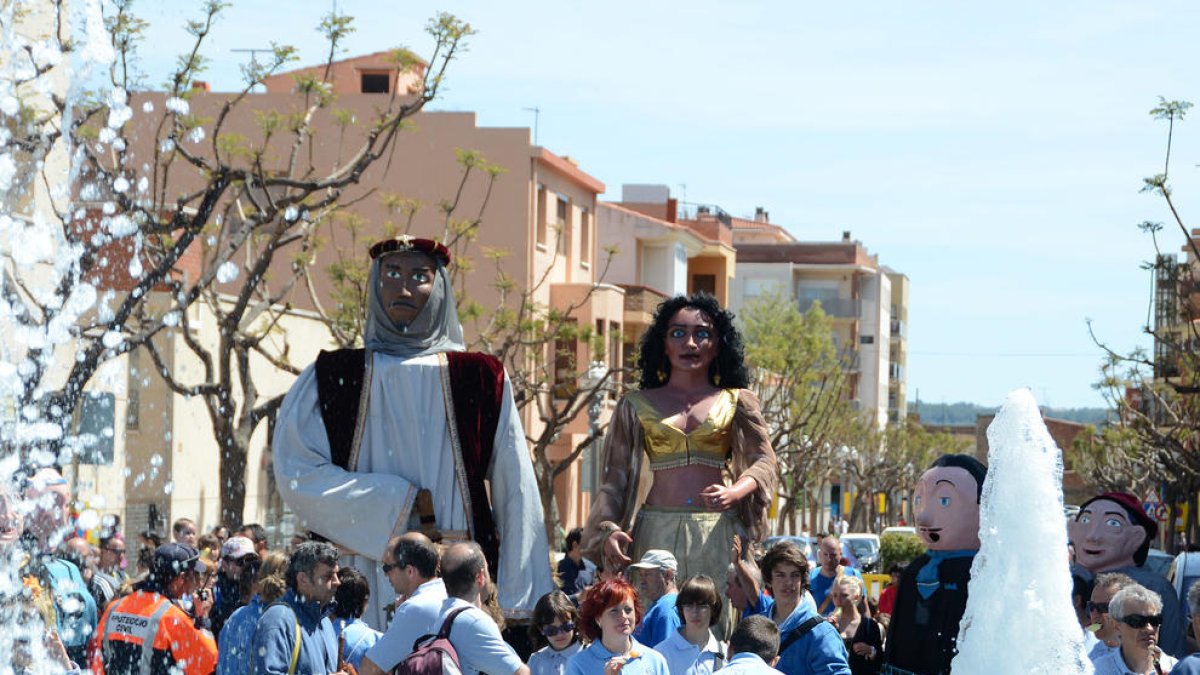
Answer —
540 224
866 339
376 83
704 282
585 237
95 428
562 221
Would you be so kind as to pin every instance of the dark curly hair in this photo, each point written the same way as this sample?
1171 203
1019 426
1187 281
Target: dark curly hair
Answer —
730 363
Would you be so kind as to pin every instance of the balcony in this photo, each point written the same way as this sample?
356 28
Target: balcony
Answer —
895 371
897 329
840 308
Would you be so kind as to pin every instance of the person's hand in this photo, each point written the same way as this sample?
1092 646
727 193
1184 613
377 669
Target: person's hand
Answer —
614 551
202 603
717 497
57 650
614 665
863 649
735 552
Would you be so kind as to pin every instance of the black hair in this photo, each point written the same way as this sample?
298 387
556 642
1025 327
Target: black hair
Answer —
730 363
420 554
351 596
552 606
258 533
575 536
968 463
306 557
756 635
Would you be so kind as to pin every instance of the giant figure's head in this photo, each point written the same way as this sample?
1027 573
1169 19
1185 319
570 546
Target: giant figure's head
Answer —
410 307
947 503
1112 531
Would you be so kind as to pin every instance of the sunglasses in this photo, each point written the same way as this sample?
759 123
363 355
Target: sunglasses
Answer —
551 631
1141 620
1099 607
235 561
388 567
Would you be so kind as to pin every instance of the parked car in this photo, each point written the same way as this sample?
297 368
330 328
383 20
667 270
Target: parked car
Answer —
1184 572
865 547
900 529
1158 561
806 543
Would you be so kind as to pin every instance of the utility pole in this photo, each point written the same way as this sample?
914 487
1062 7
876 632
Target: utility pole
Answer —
537 112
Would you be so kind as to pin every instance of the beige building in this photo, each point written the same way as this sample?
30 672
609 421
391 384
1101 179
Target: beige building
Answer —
539 215
851 287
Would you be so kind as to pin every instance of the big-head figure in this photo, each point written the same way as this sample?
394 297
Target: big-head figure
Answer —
933 591
1113 533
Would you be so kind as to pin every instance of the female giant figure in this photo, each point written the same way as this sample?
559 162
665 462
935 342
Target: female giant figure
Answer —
687 459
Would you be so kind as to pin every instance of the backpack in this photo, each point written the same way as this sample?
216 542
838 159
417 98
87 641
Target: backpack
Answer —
433 653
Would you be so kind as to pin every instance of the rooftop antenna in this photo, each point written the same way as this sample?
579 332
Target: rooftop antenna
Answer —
537 113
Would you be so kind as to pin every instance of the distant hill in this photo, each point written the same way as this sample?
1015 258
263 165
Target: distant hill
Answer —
964 413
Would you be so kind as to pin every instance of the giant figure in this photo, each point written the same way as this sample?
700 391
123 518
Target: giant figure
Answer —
932 597
1112 533
694 434
413 433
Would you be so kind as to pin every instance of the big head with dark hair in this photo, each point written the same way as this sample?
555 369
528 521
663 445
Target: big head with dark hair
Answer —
599 598
946 503
728 369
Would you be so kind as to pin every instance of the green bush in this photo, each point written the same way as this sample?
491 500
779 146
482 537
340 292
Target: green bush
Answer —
896 547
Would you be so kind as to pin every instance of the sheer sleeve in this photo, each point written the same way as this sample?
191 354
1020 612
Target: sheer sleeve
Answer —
754 457
616 499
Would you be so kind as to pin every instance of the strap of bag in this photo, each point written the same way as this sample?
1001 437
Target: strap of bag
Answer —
444 633
829 595
799 632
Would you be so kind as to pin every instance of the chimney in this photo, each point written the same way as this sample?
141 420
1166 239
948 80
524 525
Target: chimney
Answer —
201 85
846 236
761 215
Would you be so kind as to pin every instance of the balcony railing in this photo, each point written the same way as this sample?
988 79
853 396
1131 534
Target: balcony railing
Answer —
897 328
843 308
895 371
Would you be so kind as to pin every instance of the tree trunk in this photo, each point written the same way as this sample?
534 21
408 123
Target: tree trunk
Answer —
232 474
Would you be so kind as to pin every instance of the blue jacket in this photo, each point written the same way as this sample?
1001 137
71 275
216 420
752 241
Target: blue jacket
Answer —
76 608
275 637
660 621
237 637
820 652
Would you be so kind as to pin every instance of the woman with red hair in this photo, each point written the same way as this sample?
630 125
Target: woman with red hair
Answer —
607 617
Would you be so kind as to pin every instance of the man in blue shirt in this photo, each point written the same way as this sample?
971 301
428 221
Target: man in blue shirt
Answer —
656 589
821 580
753 647
312 580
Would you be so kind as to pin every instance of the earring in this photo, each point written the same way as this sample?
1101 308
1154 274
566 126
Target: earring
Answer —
662 375
717 380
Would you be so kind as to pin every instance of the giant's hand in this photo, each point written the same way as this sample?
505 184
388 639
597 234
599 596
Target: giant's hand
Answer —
615 546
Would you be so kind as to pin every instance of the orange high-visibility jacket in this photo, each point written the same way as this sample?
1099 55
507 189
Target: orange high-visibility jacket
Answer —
146 633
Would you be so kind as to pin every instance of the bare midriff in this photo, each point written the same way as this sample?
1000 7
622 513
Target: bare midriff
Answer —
681 486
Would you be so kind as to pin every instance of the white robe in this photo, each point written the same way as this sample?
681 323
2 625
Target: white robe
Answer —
406 446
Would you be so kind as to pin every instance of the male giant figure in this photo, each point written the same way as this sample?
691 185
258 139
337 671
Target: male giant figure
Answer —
1112 533
932 597
363 431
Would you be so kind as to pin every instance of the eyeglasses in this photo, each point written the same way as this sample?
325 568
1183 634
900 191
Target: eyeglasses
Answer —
551 631
234 561
1099 607
1141 620
388 567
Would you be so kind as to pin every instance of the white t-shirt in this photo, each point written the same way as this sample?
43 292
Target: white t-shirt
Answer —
412 620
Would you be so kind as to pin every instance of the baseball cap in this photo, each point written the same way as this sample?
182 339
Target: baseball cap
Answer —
656 558
172 559
237 548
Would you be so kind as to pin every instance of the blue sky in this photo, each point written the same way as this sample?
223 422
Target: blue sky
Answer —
992 152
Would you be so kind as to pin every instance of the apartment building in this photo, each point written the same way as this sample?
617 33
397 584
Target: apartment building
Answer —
539 215
851 287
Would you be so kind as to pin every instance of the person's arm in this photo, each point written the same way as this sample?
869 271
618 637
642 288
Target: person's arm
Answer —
621 473
745 573
328 498
753 458
524 574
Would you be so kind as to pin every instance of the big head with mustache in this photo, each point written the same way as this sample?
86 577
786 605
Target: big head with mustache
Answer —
947 503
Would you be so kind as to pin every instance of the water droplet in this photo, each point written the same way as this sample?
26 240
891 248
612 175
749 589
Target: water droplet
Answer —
156 460
168 487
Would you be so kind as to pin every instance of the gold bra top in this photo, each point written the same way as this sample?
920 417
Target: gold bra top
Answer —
668 447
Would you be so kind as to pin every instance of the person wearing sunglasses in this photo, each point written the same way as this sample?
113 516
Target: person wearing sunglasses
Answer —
1099 622
1138 613
1191 664
554 619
